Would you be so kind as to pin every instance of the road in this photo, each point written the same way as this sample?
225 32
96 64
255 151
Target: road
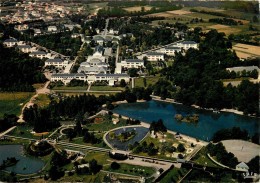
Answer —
7 131
43 90
105 30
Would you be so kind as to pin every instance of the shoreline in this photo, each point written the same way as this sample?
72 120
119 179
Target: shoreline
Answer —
185 137
169 100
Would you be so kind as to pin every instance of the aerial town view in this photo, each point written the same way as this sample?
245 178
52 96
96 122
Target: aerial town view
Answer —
130 91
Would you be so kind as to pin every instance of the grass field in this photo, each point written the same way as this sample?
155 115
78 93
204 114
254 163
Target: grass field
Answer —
133 170
106 88
42 100
70 88
12 102
106 125
139 82
174 175
201 158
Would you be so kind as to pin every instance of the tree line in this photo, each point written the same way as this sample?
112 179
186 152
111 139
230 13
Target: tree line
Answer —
194 78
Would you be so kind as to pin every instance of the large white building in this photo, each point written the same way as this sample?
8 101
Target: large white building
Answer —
95 64
66 78
187 45
154 56
57 62
132 63
110 78
170 50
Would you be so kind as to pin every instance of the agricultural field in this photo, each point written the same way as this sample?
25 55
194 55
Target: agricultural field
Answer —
137 8
185 16
12 102
245 50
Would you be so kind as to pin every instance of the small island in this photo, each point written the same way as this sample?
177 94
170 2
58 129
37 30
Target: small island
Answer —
123 136
8 162
190 118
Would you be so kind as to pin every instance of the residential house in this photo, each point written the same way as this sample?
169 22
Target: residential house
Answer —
242 167
10 42
38 54
57 62
66 78
52 28
25 48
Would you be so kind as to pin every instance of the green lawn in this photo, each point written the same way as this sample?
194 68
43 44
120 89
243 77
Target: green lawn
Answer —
202 159
12 102
70 88
139 82
106 125
174 175
25 131
42 100
106 88
133 170
79 140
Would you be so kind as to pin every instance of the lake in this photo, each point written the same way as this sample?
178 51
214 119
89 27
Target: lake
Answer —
25 165
208 124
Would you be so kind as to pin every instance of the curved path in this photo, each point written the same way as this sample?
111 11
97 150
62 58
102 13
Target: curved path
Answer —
43 90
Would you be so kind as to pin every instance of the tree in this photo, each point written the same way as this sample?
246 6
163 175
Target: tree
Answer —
94 167
114 165
254 165
181 148
133 72
122 83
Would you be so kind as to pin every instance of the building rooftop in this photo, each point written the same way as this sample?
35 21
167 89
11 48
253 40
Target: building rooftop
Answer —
54 60
133 60
10 40
154 53
112 75
23 46
189 42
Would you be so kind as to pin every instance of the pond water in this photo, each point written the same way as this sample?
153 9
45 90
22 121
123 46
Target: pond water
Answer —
140 134
208 124
25 165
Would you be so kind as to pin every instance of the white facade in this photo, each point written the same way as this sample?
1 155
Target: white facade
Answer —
242 167
10 43
187 45
25 48
66 78
154 56
170 50
38 54
52 29
57 62
110 78
132 63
